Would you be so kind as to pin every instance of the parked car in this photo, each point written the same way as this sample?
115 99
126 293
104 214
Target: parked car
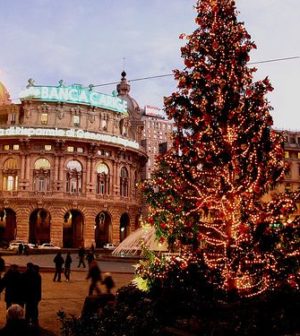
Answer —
46 246
14 244
109 246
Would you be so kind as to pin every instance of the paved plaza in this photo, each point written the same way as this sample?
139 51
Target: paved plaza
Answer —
66 296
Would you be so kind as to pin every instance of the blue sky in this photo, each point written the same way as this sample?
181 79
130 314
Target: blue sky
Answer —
85 41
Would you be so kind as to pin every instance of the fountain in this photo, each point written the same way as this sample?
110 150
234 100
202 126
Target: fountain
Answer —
143 237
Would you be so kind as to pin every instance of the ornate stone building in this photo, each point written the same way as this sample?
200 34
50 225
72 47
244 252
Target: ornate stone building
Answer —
70 161
292 157
157 135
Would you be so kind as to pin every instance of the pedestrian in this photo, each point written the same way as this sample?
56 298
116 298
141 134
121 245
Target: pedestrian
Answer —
108 282
81 254
15 322
68 263
95 275
90 257
14 287
33 293
20 249
58 261
2 266
26 249
93 250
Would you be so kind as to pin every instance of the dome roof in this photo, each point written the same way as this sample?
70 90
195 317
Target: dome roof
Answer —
123 89
4 95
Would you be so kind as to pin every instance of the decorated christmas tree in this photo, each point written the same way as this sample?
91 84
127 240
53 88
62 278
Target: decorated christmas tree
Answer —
207 196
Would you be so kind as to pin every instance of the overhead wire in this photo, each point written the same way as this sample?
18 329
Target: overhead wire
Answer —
171 74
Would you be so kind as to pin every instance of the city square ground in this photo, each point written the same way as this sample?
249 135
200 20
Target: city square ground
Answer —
66 296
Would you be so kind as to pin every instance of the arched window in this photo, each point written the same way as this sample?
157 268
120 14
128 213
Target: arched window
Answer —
41 175
102 187
74 177
124 182
10 175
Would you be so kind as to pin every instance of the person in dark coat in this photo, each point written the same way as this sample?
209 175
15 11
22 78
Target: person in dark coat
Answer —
20 249
81 254
90 257
14 287
58 261
95 275
2 266
33 293
108 282
68 263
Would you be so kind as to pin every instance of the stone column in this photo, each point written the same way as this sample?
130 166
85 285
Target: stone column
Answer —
88 172
56 168
57 226
23 168
115 222
116 179
27 172
89 227
60 173
22 220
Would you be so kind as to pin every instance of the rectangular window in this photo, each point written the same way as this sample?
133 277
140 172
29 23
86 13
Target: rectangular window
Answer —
48 147
10 183
76 120
79 150
6 147
13 118
73 186
44 118
16 147
286 155
70 149
41 185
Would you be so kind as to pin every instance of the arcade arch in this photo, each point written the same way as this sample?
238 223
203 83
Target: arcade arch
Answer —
73 229
39 226
8 227
103 229
124 226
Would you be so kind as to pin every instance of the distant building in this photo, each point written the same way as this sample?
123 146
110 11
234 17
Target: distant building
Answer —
70 161
291 180
156 135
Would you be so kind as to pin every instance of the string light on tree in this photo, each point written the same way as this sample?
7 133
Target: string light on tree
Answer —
206 193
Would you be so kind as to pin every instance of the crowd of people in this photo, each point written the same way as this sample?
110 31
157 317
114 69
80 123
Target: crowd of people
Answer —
23 290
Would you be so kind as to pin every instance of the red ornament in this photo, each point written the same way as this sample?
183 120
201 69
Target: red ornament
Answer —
163 226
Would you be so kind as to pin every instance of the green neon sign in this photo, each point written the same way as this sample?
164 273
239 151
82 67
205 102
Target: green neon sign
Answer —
74 94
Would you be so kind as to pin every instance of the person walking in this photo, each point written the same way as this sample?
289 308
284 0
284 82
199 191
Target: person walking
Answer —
90 257
81 254
58 261
95 275
14 287
108 282
20 249
33 293
68 263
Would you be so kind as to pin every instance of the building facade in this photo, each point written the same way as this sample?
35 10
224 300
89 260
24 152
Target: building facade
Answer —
157 135
70 162
291 180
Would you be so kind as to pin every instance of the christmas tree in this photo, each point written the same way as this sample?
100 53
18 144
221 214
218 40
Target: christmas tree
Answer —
206 194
